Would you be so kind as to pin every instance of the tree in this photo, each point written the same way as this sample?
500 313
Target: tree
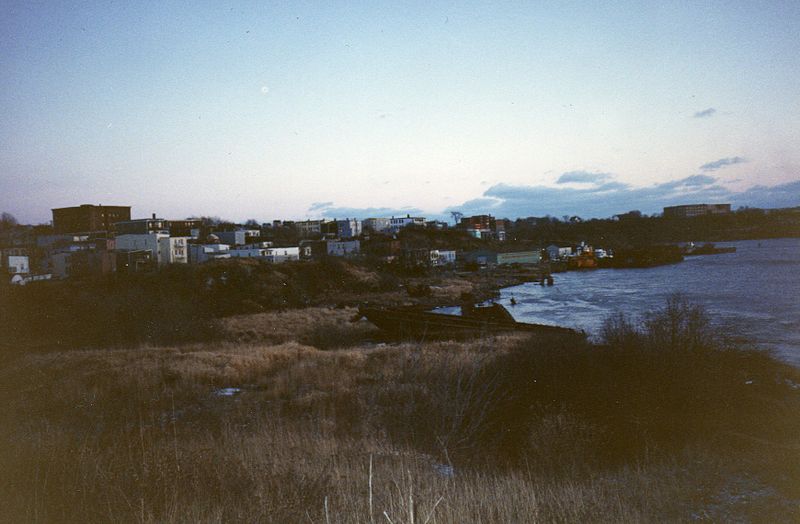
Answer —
7 220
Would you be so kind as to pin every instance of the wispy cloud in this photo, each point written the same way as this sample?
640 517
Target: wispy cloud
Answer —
723 162
316 206
705 113
329 210
583 177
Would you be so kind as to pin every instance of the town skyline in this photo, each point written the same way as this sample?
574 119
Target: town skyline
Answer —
301 112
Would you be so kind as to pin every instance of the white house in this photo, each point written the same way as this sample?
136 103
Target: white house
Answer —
18 264
556 253
165 249
442 258
173 250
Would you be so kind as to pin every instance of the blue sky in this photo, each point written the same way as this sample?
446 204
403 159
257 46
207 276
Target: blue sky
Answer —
306 110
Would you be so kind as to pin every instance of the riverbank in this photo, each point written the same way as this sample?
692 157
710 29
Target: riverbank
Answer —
302 415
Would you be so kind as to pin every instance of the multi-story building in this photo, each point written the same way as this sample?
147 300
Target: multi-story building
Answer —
310 228
396 224
377 225
88 217
142 226
348 228
165 249
484 226
696 210
191 227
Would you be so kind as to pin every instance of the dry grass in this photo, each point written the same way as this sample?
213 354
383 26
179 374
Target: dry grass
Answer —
480 431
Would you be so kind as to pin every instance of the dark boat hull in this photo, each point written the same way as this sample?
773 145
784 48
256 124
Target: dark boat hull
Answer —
424 324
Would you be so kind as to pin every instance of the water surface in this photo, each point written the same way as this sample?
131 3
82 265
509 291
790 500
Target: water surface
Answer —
756 291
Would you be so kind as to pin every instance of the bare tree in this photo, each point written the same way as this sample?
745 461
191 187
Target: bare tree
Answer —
7 220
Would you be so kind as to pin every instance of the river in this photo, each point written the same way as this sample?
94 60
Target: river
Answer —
755 291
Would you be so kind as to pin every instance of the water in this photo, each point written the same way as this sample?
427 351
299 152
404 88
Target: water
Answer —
755 291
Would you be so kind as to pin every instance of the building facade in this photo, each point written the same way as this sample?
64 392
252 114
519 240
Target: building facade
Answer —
696 210
88 217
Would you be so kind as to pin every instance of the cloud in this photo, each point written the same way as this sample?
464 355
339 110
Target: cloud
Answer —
583 177
329 210
705 113
614 197
603 200
699 180
723 162
319 205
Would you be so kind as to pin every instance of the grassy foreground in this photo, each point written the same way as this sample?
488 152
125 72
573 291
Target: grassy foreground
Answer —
301 416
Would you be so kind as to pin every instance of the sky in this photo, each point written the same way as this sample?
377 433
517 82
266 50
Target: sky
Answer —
306 110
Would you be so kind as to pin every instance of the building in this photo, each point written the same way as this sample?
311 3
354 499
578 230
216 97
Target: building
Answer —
422 257
17 264
484 227
173 250
273 255
164 248
519 257
191 227
348 228
88 217
240 237
489 258
201 253
438 225
332 248
555 252
377 225
142 226
696 210
310 228
135 261
396 224
343 248
441 257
